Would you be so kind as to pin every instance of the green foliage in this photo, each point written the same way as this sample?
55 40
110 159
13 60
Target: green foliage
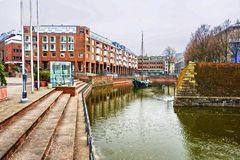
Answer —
44 75
2 76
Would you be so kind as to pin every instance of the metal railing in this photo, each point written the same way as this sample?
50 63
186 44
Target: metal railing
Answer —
87 124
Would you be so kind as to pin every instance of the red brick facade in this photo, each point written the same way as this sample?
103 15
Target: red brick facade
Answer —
87 51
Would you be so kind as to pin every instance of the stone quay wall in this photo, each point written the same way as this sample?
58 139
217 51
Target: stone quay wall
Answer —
209 84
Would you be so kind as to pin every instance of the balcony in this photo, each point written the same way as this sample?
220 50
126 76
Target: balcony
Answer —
111 54
112 60
106 60
106 53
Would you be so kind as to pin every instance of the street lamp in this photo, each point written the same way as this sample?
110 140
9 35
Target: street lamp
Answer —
24 75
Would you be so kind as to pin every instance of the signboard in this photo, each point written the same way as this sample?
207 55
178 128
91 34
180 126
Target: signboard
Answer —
56 29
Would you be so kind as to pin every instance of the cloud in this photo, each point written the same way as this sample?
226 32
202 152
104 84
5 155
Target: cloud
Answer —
164 22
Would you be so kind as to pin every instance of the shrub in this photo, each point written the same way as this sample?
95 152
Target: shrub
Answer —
2 75
44 75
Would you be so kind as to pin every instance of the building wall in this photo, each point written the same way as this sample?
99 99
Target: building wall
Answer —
13 52
91 54
2 46
151 65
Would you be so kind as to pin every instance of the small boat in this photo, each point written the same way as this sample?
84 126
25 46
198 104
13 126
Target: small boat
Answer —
141 84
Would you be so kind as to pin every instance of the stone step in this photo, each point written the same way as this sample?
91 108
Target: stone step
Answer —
81 151
37 144
80 88
80 84
63 143
15 134
11 114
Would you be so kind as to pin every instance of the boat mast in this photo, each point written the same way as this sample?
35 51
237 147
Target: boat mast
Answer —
142 54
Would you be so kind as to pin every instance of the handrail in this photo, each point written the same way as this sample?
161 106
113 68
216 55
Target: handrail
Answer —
87 124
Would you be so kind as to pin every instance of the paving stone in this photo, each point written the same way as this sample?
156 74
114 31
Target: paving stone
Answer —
12 133
64 139
37 142
12 105
81 147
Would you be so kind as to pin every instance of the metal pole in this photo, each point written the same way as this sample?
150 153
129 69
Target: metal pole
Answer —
31 46
24 92
38 79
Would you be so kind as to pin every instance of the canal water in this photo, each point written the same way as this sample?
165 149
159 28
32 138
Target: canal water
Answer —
141 124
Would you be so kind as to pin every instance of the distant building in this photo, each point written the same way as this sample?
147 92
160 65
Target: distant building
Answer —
170 66
4 37
180 64
234 34
13 50
151 65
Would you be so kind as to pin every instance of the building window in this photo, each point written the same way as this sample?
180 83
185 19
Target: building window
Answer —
87 55
45 47
63 47
27 38
27 47
70 39
88 48
34 38
45 65
34 46
93 42
71 54
52 39
87 32
45 39
35 54
63 39
92 49
80 55
62 55
52 47
81 30
71 47
53 54
44 54
92 57
27 54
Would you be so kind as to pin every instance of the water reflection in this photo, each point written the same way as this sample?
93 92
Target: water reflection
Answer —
142 124
211 132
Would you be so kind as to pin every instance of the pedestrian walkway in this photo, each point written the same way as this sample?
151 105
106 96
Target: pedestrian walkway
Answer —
13 105
51 127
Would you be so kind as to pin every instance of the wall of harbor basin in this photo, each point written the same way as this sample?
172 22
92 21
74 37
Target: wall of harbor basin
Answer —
109 80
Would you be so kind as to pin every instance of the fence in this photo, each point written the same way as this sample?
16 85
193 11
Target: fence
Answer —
87 124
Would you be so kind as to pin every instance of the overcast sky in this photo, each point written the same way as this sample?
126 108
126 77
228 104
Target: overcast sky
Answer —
164 22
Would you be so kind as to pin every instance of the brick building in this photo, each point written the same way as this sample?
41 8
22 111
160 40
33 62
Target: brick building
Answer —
13 50
8 42
152 65
87 51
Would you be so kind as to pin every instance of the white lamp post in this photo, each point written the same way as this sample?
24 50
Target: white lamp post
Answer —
24 75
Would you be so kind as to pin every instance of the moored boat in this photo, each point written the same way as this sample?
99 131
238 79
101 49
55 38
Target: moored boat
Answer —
140 84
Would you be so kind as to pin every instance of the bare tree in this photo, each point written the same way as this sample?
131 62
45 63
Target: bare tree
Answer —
213 45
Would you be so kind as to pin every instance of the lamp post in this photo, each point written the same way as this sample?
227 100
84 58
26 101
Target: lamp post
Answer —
24 75
38 79
31 46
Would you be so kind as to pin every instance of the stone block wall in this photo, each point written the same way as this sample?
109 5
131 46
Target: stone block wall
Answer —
209 84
